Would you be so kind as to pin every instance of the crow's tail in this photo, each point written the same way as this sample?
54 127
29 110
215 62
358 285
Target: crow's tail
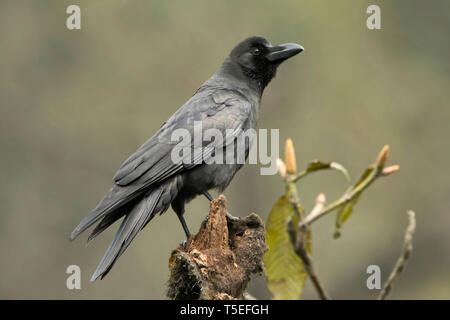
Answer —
156 201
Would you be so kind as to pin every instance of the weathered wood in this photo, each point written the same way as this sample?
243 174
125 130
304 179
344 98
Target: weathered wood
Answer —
218 262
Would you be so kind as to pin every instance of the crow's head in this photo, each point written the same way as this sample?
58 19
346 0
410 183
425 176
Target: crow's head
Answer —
258 60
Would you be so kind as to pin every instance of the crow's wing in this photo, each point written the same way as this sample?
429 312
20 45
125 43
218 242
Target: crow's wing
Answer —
222 110
152 163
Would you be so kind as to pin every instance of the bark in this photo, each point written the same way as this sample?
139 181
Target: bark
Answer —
218 262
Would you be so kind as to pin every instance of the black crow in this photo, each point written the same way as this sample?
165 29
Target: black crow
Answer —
150 181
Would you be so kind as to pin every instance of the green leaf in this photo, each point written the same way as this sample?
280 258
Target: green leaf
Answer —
319 165
284 270
347 209
343 214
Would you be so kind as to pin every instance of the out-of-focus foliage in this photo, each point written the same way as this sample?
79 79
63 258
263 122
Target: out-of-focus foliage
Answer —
75 104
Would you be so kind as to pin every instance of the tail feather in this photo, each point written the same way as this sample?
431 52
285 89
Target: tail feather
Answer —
109 219
105 223
114 200
157 200
131 225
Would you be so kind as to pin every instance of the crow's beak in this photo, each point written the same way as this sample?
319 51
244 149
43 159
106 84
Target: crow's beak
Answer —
283 52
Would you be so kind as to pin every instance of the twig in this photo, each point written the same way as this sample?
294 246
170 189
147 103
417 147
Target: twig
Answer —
300 249
401 262
378 170
302 235
308 262
299 236
299 176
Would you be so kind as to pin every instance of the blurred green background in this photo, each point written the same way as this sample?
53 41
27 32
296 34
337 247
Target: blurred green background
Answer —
75 104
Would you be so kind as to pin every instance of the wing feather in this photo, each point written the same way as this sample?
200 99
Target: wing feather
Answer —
152 163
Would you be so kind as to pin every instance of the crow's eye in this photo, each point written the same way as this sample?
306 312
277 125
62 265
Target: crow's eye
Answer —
256 52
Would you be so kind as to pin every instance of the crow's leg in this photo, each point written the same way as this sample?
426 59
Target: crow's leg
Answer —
208 195
178 207
185 227
210 198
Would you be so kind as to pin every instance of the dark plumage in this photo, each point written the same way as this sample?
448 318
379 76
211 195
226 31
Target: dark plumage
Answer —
148 182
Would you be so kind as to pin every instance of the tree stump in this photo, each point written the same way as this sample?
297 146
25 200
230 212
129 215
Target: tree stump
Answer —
218 262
